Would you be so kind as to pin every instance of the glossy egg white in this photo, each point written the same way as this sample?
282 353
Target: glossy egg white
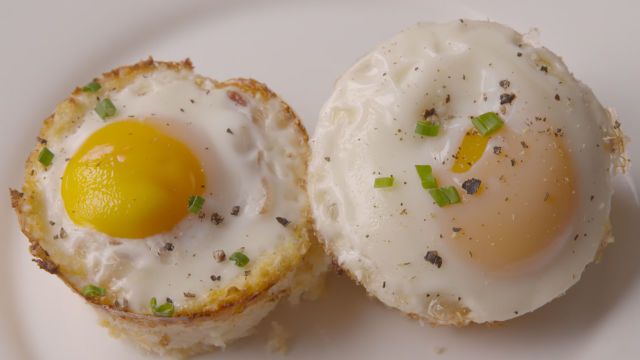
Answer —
553 125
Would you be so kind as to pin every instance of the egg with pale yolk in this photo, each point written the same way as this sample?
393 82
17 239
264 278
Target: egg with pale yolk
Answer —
516 199
173 203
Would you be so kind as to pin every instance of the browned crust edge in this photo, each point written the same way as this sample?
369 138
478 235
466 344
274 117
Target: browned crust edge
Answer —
112 81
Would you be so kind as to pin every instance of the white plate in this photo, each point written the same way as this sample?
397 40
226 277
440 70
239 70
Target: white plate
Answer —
299 48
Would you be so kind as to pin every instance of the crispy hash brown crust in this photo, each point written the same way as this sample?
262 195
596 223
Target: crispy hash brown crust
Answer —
268 273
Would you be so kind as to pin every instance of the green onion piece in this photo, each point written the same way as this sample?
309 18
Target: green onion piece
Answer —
452 194
426 176
427 128
195 203
164 310
445 196
91 87
383 182
439 197
93 291
487 123
45 157
239 258
105 109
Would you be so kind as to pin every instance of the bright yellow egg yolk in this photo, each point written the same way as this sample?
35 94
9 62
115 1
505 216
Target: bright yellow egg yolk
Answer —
527 199
470 151
131 180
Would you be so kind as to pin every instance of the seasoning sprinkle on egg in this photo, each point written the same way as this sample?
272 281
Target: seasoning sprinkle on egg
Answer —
497 142
148 159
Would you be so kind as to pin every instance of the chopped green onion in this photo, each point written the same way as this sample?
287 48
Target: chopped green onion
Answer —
105 109
383 182
239 258
195 203
452 194
164 310
487 123
91 87
427 128
445 195
93 291
426 176
439 197
45 157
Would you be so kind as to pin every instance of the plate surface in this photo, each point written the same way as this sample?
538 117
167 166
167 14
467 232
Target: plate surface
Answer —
299 49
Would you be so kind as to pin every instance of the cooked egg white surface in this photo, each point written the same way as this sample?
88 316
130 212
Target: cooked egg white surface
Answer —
541 213
247 165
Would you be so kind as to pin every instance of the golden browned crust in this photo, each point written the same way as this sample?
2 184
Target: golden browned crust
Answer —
616 143
220 304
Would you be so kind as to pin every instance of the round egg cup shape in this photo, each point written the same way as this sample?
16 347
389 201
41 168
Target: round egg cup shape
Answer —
446 311
230 312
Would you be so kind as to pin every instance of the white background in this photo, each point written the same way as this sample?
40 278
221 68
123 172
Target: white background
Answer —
299 48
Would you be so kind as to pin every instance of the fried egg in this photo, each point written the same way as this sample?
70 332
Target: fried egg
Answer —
461 174
166 198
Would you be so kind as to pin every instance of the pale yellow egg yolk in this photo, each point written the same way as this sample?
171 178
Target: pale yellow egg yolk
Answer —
131 180
526 200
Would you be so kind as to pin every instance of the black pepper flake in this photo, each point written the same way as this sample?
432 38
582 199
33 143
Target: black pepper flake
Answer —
189 294
429 113
544 68
41 140
507 98
513 162
519 54
169 300
229 131
284 222
52 223
327 159
524 145
557 97
591 198
504 84
471 186
497 150
235 210
216 218
456 229
168 246
181 110
434 258
63 233
384 284
546 196
215 277
192 101
447 99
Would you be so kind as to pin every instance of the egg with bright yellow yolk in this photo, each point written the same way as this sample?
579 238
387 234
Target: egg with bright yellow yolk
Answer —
131 180
173 203
517 197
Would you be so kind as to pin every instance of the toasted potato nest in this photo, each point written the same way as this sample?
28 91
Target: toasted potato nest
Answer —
262 286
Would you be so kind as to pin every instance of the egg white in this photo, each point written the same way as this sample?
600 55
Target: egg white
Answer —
249 165
380 236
